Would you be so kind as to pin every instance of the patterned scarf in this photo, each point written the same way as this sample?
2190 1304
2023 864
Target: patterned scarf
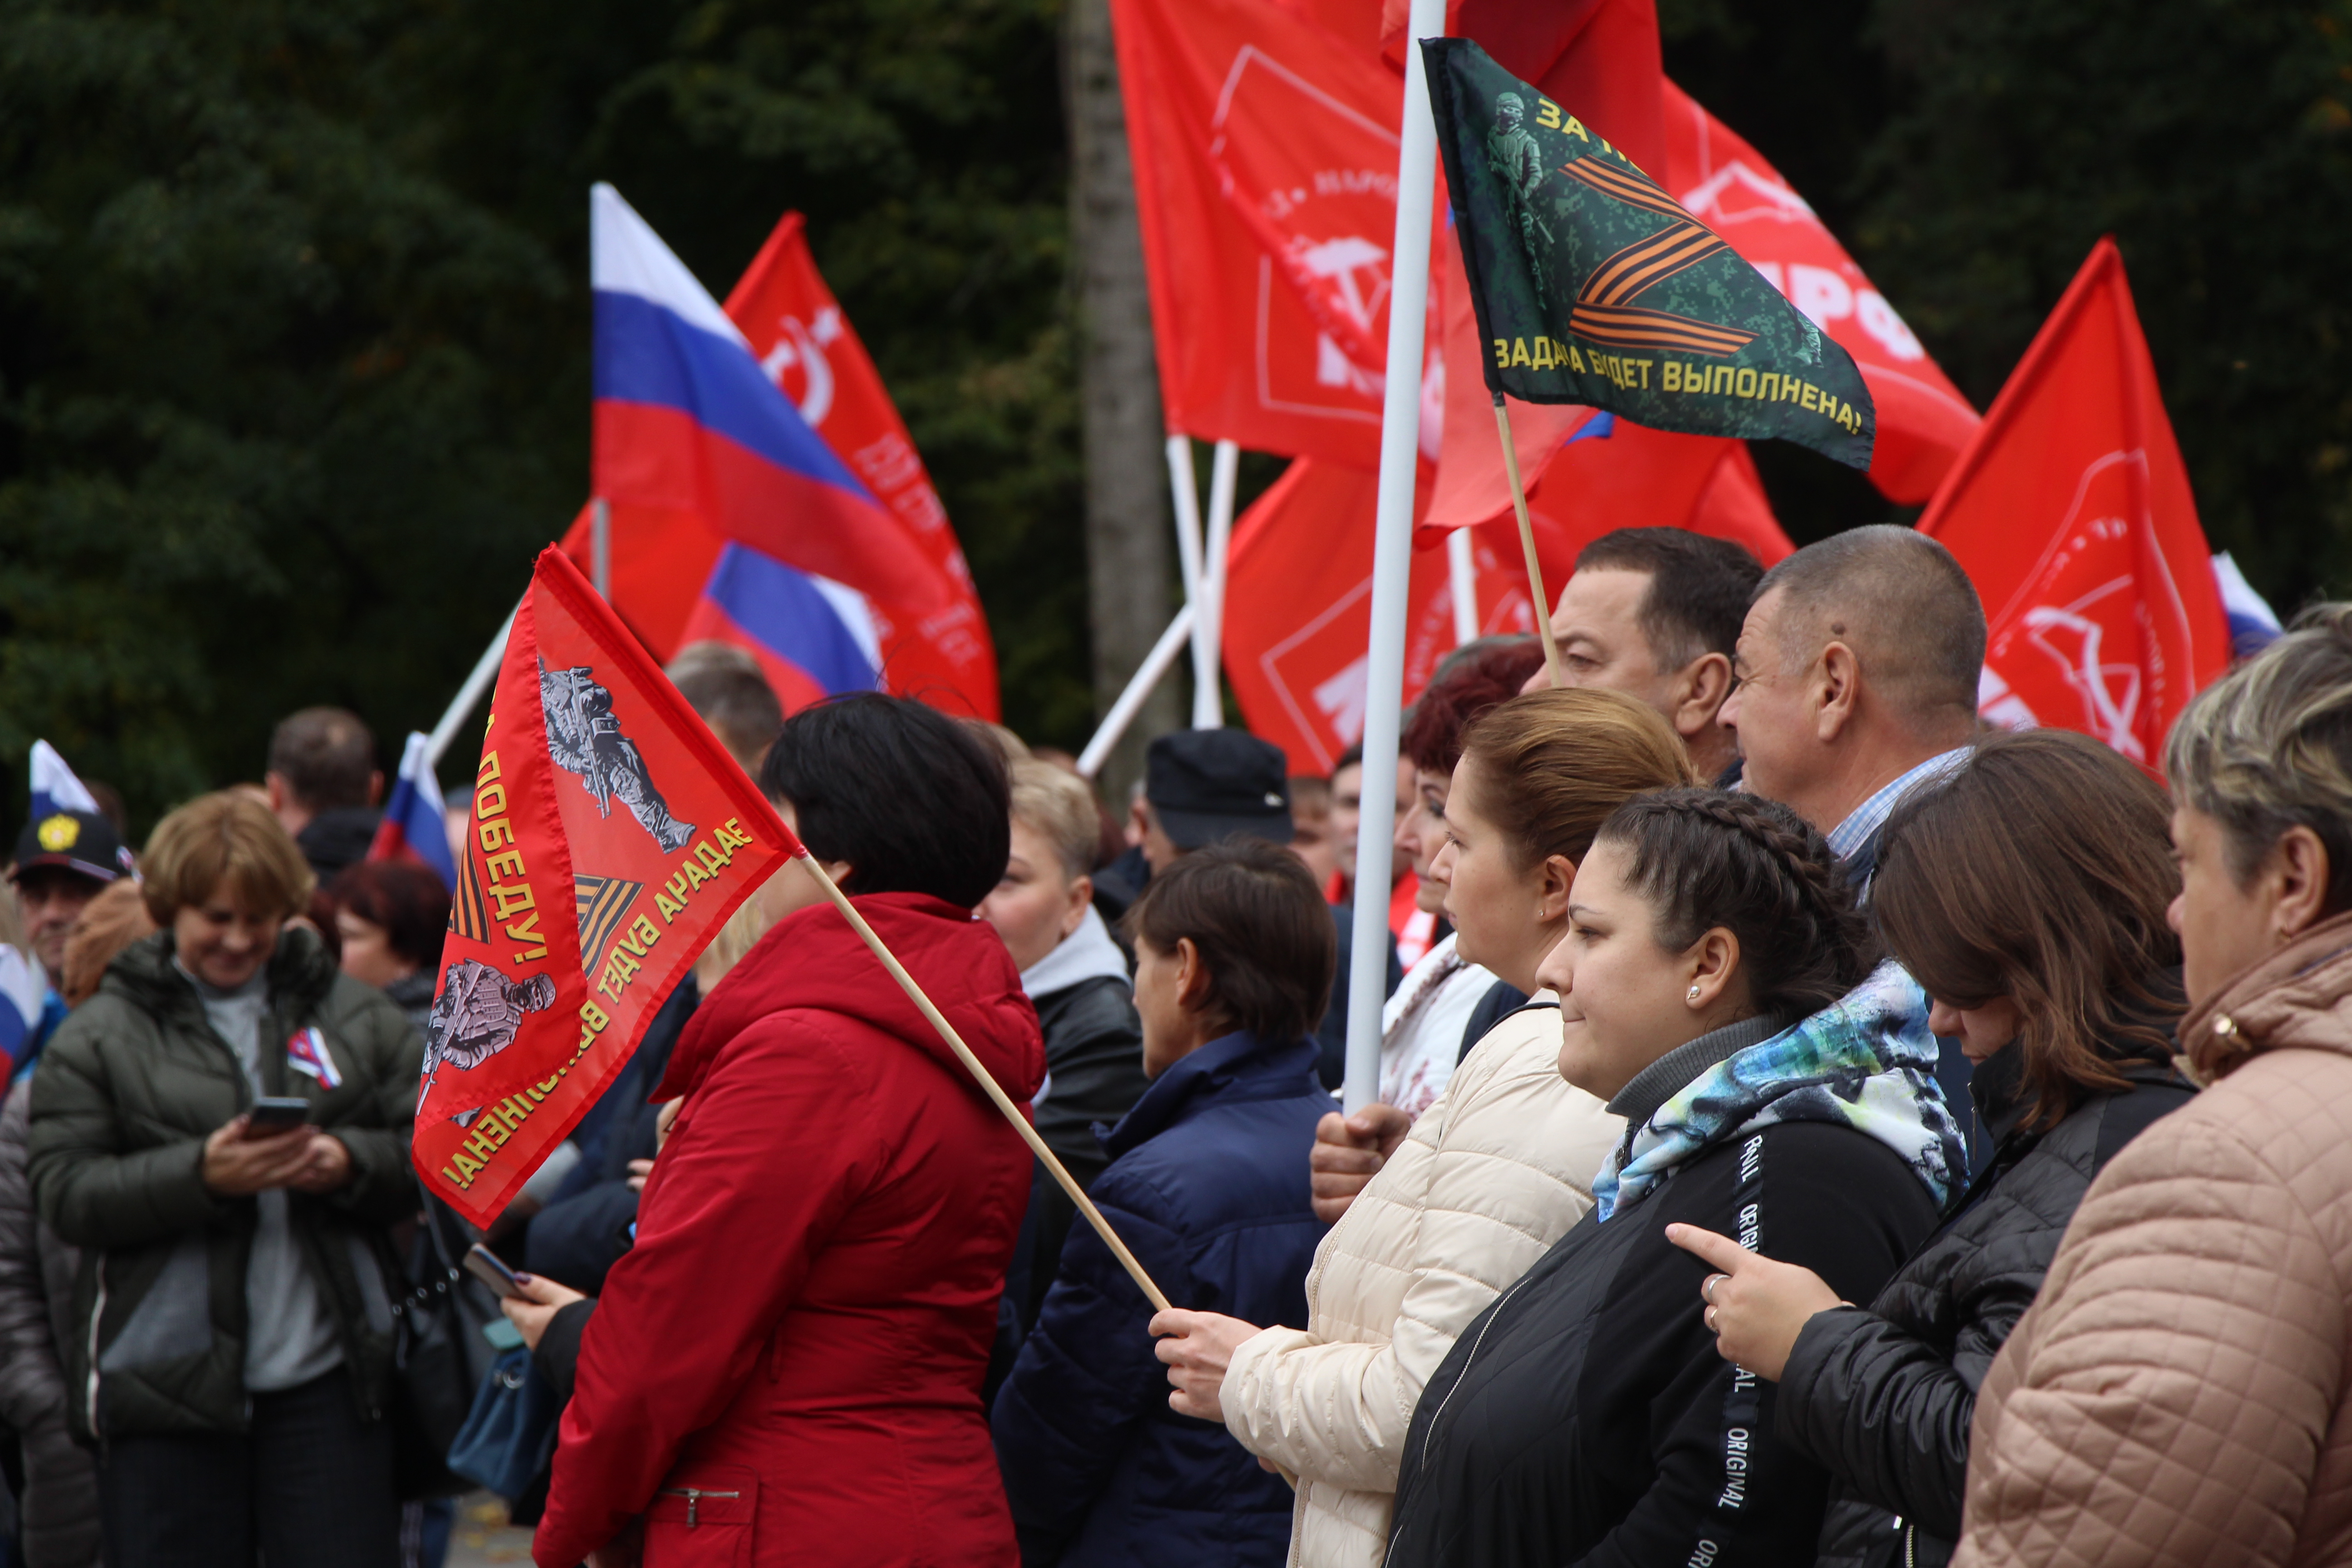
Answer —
1867 1062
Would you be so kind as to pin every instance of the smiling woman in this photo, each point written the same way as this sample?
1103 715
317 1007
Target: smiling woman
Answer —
209 1234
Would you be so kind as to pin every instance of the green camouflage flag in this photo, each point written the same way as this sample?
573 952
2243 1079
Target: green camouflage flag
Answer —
1593 286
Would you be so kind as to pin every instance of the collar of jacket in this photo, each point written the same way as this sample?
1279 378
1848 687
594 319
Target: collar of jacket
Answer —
1238 1066
2300 996
300 974
1997 1084
1658 1083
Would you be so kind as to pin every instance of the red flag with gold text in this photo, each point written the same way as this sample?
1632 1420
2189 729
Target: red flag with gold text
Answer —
609 838
2072 513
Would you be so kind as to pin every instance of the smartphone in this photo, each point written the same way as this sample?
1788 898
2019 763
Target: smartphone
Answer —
271 1114
490 1268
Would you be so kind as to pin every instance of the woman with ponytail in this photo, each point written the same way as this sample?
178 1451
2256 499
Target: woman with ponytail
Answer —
1715 991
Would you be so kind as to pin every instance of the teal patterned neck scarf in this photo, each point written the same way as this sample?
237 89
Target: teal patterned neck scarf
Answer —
1866 1062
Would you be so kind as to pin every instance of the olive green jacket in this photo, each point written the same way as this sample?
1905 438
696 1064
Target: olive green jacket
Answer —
122 1101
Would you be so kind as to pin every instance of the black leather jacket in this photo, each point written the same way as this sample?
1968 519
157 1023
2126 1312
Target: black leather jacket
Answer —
1883 1398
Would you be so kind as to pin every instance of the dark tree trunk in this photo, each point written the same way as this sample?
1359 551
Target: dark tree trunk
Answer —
1130 577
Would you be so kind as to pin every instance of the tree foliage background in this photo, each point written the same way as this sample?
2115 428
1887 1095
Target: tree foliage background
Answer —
294 315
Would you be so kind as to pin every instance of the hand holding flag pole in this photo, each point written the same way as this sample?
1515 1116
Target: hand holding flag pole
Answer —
1552 671
1004 1102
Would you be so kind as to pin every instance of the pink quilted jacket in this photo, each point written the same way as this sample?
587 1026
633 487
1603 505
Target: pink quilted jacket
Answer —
2179 1392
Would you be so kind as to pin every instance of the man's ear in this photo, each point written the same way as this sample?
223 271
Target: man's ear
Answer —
279 794
1837 690
376 787
2298 865
1698 692
1082 895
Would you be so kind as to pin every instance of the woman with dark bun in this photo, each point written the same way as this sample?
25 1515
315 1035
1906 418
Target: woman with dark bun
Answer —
786 1365
1715 991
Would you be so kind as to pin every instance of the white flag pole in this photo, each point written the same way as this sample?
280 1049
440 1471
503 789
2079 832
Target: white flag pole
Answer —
1139 686
599 547
1391 555
1184 489
1461 574
485 671
1208 694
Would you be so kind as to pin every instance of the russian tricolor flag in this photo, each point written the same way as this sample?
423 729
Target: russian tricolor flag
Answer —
813 637
687 421
56 787
413 828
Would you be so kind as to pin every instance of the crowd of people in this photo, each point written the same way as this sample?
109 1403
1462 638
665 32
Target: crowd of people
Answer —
1812 1127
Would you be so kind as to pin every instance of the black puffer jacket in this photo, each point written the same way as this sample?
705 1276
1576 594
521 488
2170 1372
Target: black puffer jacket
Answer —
1882 1399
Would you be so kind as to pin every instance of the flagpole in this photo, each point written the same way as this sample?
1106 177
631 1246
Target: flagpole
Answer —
1208 692
599 547
1003 1103
478 681
1139 686
1527 544
1462 576
1391 555
1184 490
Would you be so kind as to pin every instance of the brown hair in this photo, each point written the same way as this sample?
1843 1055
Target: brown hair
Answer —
2041 870
1475 677
110 922
223 835
1262 928
326 756
408 901
1554 763
1705 857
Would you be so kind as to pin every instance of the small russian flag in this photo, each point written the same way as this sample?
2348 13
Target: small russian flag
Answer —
306 1052
55 786
412 828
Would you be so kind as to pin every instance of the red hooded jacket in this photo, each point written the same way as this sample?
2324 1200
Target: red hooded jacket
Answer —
786 1366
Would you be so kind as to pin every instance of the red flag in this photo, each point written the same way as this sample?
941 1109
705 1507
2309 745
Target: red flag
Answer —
662 559
1923 420
1597 58
609 838
2071 512
1298 601
1265 157
807 346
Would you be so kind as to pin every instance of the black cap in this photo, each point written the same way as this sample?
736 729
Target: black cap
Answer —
82 842
1207 785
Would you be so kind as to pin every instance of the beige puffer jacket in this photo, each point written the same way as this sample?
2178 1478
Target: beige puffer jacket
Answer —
1491 1176
2178 1393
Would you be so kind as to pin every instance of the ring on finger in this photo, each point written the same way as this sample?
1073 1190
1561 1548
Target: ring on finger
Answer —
1708 1316
1707 1288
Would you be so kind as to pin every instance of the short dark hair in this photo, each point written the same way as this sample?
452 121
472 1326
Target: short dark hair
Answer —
1900 601
910 797
2040 869
1263 930
1475 677
408 901
1706 857
1699 587
326 756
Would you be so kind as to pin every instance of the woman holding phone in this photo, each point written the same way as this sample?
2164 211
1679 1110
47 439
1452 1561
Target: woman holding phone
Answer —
232 1355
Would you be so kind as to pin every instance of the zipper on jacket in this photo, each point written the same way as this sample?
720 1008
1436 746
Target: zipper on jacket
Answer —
1910 1546
89 1380
1430 1435
694 1496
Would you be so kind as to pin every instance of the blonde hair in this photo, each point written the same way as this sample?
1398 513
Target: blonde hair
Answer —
1058 805
2269 747
1554 763
224 836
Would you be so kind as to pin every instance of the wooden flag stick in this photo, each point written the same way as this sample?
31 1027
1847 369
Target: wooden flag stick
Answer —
971 1063
1528 544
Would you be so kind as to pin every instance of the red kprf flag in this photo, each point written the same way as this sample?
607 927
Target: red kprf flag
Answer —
611 837
1923 420
2071 512
1266 160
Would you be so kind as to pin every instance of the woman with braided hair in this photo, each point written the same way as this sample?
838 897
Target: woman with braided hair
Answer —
1716 989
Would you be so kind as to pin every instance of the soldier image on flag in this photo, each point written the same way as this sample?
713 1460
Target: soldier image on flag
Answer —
584 737
1591 285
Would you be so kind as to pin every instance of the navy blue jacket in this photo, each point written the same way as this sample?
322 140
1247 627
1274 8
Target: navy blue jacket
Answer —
1208 1185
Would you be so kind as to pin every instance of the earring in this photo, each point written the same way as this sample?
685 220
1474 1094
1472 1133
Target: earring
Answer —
1694 993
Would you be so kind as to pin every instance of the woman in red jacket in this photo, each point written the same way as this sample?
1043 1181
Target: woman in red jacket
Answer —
786 1366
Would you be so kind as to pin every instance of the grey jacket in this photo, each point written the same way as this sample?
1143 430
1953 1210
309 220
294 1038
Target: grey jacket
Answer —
58 1510
122 1102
